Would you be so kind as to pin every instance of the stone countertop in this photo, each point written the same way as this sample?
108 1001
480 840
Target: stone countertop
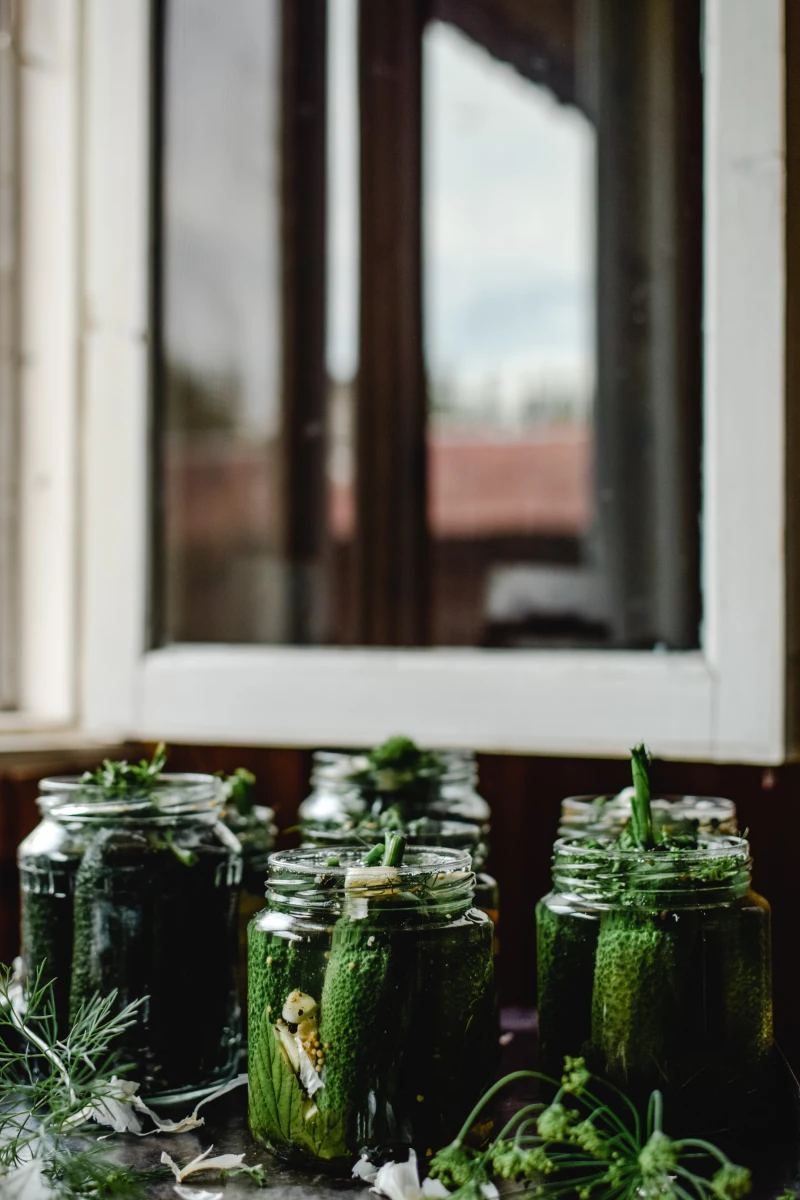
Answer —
775 1166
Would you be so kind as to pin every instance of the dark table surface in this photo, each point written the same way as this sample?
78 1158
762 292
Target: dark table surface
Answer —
775 1165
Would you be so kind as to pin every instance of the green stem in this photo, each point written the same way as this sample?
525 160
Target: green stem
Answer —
637 1129
641 816
487 1096
395 849
523 1112
694 1180
375 855
713 1151
655 1113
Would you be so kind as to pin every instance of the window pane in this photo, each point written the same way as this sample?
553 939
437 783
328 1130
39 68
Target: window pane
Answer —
563 393
222 571
341 342
510 227
561 293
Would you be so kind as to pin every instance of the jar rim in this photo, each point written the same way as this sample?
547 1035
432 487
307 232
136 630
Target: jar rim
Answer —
312 860
719 845
590 798
173 794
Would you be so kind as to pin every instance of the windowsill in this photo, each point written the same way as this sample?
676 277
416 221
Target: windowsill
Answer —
24 734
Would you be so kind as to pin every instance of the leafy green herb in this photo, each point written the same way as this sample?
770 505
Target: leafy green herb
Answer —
595 1142
398 774
404 760
47 1084
120 777
91 1173
239 790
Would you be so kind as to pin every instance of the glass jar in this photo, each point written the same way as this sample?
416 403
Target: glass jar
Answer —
255 831
607 816
335 802
371 1009
655 965
138 892
425 831
346 789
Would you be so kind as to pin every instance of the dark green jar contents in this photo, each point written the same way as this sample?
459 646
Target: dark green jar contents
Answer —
371 1010
656 966
140 895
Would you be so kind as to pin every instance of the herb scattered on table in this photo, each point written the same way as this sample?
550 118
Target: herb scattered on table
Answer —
52 1087
47 1084
591 1143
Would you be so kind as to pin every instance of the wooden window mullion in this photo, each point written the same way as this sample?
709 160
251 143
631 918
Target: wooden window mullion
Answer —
390 552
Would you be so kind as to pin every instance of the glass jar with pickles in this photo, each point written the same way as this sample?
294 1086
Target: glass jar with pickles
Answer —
371 1011
654 963
129 887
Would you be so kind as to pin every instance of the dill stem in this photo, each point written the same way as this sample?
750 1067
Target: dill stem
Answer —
487 1096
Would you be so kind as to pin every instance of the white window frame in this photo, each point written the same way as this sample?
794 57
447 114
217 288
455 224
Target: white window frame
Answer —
723 702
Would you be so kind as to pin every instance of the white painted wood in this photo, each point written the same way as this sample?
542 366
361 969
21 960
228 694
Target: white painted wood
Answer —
9 359
725 702
743 520
115 306
48 82
584 703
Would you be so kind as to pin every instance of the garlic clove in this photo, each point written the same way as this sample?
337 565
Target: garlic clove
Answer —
297 1006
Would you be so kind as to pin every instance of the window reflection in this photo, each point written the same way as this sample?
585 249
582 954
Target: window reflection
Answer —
509 293
221 294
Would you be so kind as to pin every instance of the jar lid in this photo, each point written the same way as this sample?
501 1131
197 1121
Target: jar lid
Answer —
67 798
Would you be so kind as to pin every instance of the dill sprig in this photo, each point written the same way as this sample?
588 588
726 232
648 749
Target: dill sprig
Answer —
47 1083
590 1142
122 776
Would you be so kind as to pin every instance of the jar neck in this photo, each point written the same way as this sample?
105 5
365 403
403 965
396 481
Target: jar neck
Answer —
430 884
173 798
718 871
332 771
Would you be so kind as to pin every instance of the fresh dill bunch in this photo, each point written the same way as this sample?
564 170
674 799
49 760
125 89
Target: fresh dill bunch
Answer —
238 789
590 1142
122 776
47 1083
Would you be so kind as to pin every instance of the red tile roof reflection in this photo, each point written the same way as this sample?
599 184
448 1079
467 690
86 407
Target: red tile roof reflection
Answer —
535 483
225 490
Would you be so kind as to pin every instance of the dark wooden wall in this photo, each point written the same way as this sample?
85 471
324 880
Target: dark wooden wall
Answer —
524 794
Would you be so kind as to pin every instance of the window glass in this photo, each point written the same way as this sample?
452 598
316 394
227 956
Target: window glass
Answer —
220 380
509 199
555 436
